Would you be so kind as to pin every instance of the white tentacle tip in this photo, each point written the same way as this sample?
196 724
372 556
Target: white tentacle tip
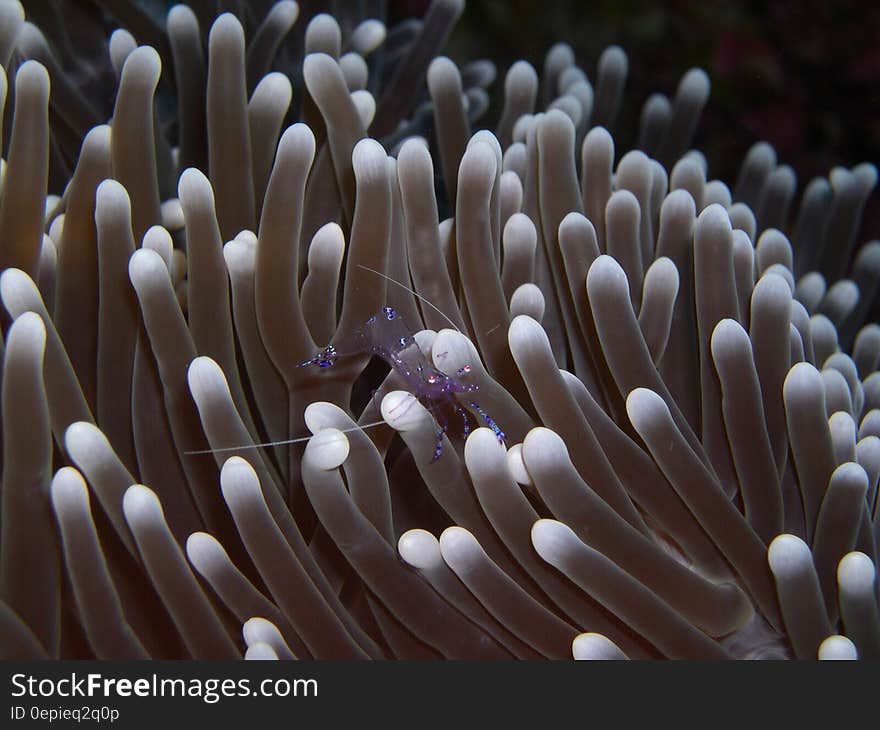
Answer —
111 193
458 547
483 451
141 504
235 469
145 266
517 466
327 449
145 63
226 28
788 555
856 573
33 76
18 291
419 549
205 377
28 331
592 646
368 158
838 648
401 410
68 489
551 538
202 550
643 405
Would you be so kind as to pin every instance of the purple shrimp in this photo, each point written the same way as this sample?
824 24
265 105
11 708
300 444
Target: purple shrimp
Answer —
386 335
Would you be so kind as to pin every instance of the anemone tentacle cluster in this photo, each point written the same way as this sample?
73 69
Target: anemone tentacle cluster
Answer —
685 370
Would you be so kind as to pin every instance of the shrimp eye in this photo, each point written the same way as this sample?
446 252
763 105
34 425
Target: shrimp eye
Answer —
402 342
432 379
388 312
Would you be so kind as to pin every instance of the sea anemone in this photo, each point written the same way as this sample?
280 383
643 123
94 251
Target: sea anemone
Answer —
683 372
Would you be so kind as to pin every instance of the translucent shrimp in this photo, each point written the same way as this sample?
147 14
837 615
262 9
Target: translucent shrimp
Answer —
386 335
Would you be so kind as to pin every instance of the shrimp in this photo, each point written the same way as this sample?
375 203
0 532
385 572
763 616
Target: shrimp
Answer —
386 335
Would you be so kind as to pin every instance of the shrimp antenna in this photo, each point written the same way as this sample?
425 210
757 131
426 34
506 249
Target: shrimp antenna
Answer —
414 293
279 443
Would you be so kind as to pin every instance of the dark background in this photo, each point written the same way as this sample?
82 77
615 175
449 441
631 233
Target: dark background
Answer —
802 75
